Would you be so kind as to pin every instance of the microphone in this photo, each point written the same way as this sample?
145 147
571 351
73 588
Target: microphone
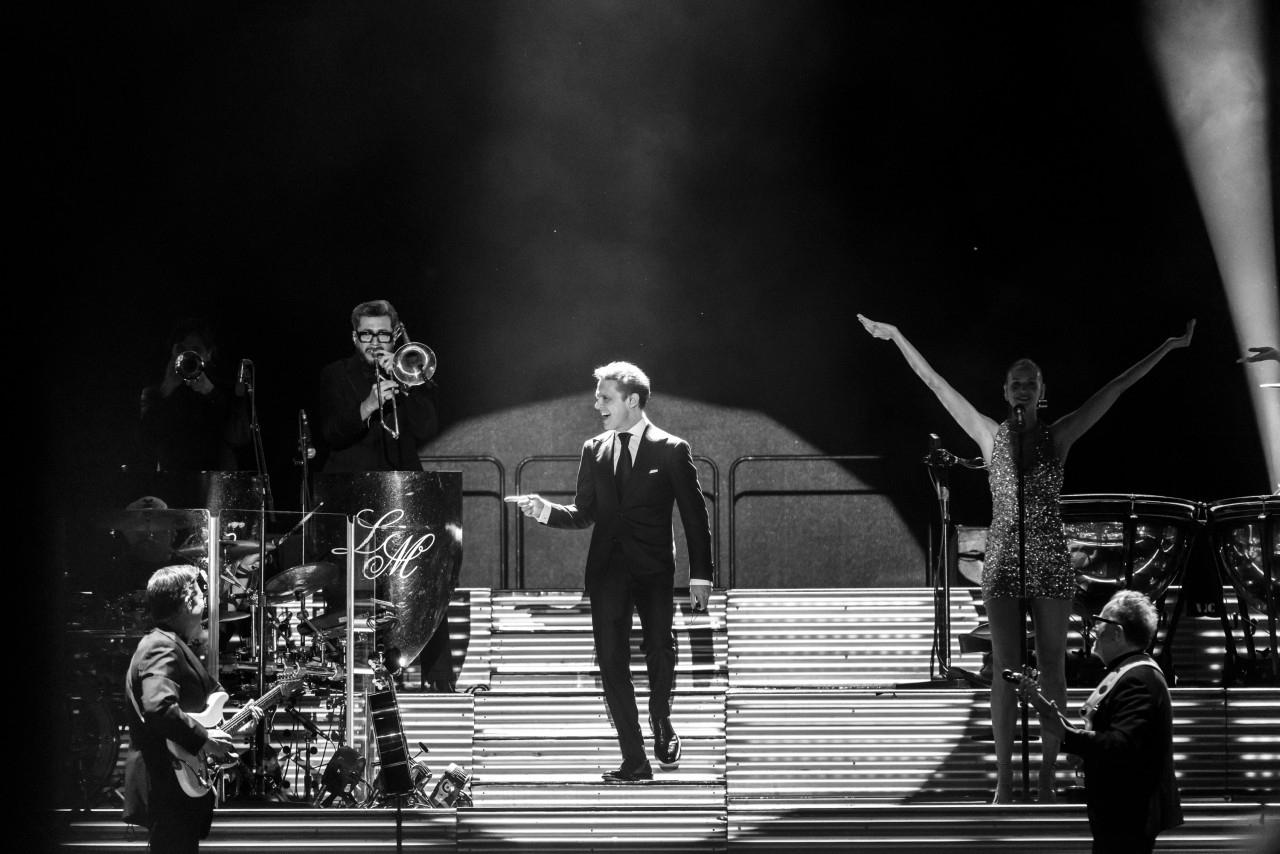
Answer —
1020 415
242 376
307 451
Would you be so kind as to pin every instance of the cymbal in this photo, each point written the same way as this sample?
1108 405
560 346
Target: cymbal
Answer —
304 580
231 549
230 616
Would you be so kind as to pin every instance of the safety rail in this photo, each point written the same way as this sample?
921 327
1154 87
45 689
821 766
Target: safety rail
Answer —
711 495
781 458
501 492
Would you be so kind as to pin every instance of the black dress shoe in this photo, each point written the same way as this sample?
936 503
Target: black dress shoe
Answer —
666 744
630 773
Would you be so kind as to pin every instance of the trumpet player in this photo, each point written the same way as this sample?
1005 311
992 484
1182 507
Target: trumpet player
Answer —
190 421
370 420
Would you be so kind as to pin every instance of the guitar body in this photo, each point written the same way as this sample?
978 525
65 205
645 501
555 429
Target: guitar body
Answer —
194 772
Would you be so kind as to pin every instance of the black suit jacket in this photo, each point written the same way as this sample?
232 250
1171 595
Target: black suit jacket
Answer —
355 446
663 476
165 680
1128 757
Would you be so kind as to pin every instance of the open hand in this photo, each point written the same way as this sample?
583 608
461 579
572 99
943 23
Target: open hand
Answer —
883 331
1183 340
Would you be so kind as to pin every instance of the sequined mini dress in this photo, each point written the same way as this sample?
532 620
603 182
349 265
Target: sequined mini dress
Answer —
1049 572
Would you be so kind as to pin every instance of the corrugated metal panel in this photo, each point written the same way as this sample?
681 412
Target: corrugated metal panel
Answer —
843 826
829 638
793 745
502 715
578 830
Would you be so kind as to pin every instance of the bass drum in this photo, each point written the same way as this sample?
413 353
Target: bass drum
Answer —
1127 542
1244 534
87 764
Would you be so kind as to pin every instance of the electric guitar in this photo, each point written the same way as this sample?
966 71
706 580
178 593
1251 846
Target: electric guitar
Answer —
195 771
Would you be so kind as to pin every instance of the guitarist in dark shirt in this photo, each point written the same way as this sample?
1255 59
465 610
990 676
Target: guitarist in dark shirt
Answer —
166 684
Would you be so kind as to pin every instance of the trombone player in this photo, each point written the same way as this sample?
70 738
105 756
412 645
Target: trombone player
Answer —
371 420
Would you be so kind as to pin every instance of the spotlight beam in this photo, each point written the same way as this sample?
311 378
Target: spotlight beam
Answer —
1210 57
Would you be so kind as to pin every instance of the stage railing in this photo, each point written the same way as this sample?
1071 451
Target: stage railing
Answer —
711 495
734 495
485 493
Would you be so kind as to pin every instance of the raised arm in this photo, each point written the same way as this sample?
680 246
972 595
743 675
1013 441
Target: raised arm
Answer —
1070 427
979 427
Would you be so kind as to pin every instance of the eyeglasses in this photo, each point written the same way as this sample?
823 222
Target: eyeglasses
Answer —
1098 618
384 336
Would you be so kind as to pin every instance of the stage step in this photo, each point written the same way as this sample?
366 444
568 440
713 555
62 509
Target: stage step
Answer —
826 825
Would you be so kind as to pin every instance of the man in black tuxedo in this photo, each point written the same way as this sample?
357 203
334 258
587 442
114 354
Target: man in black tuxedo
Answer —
630 478
166 682
1127 741
355 401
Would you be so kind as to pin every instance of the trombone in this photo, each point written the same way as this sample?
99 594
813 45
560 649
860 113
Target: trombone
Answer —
189 365
412 364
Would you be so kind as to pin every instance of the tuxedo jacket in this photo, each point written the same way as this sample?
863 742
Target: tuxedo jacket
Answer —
1128 756
165 681
356 445
639 522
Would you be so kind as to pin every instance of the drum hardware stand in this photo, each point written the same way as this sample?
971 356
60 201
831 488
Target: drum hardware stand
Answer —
939 462
313 733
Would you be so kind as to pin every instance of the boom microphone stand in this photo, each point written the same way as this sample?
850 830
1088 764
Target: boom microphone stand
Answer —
939 462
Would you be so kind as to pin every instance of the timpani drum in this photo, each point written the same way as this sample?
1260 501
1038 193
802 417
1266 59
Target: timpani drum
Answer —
1244 535
1127 542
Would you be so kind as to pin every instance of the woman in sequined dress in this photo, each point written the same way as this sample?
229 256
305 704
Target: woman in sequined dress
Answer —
1050 580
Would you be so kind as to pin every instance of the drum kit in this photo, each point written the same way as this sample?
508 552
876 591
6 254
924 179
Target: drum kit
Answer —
105 626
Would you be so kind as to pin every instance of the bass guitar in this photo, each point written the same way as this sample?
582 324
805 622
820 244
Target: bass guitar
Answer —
195 771
1028 685
396 774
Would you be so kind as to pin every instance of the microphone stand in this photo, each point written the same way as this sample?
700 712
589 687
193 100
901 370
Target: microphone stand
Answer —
266 507
1020 420
939 462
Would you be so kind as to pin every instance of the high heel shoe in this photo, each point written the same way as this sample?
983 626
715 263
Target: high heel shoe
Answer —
1004 784
1048 788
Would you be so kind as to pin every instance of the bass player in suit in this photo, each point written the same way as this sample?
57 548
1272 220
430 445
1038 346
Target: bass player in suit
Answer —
166 684
630 478
1127 740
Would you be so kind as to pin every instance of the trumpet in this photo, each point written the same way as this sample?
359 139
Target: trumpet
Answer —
412 364
189 365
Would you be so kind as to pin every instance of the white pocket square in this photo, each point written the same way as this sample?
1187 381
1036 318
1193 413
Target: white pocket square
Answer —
653 471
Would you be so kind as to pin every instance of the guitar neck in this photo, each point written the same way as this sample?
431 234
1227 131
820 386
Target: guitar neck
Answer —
265 701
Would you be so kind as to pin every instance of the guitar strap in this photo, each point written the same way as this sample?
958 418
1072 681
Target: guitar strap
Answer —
1091 705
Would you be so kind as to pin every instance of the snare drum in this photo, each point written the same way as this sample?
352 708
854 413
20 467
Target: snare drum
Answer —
1127 542
1244 535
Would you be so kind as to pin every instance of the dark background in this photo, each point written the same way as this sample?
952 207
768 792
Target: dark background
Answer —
710 189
